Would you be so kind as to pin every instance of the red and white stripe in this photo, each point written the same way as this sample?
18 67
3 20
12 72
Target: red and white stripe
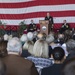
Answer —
12 12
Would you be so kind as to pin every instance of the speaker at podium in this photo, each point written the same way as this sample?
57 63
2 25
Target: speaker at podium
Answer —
44 26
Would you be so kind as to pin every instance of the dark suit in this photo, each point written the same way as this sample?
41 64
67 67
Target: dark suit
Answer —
32 27
17 65
50 19
64 27
55 69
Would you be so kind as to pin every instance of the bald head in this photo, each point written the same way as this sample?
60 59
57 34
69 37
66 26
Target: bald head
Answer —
48 14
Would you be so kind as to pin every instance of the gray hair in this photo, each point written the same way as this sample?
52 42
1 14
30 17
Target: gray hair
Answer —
70 44
6 37
14 45
24 38
30 36
35 34
50 39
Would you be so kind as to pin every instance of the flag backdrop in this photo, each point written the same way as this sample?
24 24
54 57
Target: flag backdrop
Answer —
12 12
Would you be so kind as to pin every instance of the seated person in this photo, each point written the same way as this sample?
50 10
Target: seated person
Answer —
58 56
19 65
28 45
32 27
65 26
2 68
69 67
40 55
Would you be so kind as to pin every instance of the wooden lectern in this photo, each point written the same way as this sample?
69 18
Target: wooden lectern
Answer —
44 26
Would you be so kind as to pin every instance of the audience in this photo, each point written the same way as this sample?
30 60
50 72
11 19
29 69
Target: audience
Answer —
40 49
70 45
67 35
73 36
35 33
58 56
28 45
37 53
2 68
3 48
50 40
40 55
30 36
15 64
23 38
10 37
41 36
6 37
27 49
69 67
60 39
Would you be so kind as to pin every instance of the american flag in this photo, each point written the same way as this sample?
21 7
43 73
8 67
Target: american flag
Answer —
12 12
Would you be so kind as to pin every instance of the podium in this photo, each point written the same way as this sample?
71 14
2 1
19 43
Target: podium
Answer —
44 27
